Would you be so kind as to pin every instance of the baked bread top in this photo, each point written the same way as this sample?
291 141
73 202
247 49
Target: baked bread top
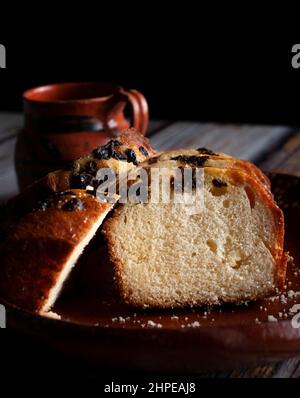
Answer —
203 157
120 154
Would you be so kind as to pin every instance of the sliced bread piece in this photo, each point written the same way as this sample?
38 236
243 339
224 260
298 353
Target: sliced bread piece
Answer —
231 251
43 246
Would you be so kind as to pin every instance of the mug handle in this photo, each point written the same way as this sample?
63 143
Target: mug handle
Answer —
140 110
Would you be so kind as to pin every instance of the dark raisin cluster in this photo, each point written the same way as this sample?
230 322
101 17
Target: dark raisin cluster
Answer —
143 151
91 167
218 183
82 180
131 156
197 161
108 151
119 156
206 151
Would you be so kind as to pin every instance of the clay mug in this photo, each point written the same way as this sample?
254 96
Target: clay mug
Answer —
68 120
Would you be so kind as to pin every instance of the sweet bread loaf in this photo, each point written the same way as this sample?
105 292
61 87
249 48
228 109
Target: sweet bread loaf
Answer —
50 223
230 251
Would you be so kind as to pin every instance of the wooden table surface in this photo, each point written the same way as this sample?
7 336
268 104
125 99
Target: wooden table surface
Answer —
273 148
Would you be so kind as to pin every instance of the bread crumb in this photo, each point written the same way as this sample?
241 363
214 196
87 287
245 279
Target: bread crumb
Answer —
272 298
119 319
292 293
194 324
153 324
283 299
272 318
52 315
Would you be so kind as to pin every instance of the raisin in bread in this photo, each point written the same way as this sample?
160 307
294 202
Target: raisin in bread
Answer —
120 154
205 157
43 246
230 251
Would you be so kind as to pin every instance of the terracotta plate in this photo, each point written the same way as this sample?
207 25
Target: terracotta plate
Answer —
95 325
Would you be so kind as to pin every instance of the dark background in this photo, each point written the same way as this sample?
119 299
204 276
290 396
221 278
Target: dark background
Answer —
219 71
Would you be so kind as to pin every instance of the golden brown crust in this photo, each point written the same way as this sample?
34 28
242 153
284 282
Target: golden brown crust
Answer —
133 138
34 253
256 172
232 162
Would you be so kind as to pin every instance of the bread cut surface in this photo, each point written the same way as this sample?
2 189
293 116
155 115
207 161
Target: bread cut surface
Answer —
231 251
